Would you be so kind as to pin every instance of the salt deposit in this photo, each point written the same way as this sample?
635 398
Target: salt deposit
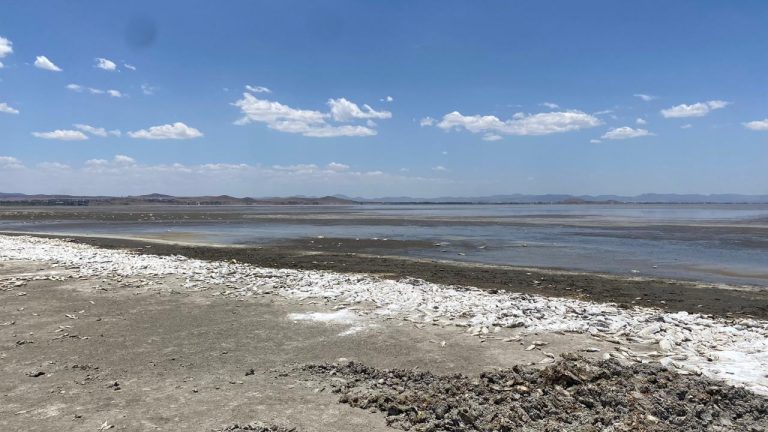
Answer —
734 350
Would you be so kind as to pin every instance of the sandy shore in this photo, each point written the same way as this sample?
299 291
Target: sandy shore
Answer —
95 336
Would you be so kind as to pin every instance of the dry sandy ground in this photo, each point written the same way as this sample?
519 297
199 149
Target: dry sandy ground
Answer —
143 354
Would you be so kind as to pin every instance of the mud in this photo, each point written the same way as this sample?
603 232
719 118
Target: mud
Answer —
342 255
573 394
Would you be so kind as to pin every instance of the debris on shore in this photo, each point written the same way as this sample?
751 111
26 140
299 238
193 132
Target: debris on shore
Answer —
574 394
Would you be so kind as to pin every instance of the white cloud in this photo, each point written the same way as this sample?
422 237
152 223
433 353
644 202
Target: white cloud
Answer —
699 109
5 108
625 133
1 65
439 168
79 89
105 64
686 126
641 121
492 137
42 62
63 135
291 120
520 123
335 166
177 130
550 105
595 141
123 175
147 89
115 132
10 162
427 121
53 166
6 47
130 67
91 130
757 125
124 160
257 89
343 110
645 97
387 99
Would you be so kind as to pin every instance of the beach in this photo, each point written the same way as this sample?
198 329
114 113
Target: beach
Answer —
155 336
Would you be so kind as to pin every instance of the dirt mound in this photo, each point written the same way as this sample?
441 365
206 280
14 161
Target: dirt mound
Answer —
256 427
573 394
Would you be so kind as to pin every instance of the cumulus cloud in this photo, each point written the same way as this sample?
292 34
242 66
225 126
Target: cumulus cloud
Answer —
6 47
492 137
5 108
641 121
699 109
9 162
124 175
129 66
387 99
520 123
105 64
53 166
550 105
257 89
97 131
79 89
757 125
62 135
335 166
625 133
344 111
124 160
645 97
176 131
42 62
427 121
309 123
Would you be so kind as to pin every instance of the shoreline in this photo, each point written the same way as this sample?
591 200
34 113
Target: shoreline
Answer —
147 340
325 254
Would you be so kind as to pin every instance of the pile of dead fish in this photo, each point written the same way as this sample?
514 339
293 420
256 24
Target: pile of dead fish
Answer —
573 394
733 350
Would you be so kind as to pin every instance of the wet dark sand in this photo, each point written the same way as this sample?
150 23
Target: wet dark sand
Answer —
370 256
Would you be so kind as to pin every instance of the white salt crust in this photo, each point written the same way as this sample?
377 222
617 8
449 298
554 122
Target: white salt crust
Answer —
733 350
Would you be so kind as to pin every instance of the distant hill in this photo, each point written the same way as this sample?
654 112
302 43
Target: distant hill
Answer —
155 198
650 198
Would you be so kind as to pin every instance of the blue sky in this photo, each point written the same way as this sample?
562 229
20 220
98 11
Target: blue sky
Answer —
377 98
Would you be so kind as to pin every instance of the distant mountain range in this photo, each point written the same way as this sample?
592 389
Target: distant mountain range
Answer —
576 199
155 198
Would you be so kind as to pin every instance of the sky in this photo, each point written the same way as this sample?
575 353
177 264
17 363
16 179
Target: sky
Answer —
383 97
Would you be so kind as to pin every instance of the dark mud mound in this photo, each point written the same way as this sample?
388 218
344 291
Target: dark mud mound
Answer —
574 394
256 427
